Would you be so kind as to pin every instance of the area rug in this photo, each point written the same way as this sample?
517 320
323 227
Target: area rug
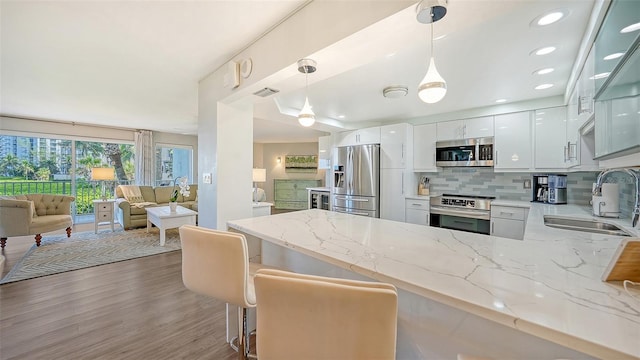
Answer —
57 253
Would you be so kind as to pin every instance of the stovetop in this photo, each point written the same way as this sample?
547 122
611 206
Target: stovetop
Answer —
469 196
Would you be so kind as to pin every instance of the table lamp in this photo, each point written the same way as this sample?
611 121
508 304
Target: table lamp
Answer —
103 174
259 175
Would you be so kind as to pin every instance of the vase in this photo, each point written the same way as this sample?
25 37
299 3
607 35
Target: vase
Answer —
172 206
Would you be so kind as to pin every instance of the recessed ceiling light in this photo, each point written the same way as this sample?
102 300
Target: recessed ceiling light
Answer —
543 86
340 116
544 50
613 56
501 100
550 18
543 71
599 76
631 28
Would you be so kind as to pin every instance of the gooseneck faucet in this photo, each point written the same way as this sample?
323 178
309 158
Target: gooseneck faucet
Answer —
635 173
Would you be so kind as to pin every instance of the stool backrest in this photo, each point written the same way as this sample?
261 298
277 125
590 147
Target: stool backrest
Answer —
216 263
314 317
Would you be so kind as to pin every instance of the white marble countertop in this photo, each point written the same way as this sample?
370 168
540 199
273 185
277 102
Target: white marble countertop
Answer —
512 203
261 204
547 285
323 189
418 197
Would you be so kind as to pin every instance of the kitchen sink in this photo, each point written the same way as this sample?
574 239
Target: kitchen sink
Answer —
593 226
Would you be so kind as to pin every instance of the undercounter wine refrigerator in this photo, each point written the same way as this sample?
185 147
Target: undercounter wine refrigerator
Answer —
356 185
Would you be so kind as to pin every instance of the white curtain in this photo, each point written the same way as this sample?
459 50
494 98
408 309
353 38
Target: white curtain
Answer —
144 157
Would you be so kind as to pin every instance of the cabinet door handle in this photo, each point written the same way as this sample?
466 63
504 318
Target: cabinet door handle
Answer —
492 227
506 213
566 151
496 158
402 183
414 204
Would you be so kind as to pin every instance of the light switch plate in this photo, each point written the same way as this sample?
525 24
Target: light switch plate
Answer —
206 178
527 184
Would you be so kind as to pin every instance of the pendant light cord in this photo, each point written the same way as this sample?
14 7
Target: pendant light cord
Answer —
432 39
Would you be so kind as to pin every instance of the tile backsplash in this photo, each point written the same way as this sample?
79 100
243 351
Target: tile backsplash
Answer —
510 186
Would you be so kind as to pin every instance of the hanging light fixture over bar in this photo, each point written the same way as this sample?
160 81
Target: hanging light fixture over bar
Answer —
306 117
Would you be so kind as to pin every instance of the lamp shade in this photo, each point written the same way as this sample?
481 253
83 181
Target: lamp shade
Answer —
259 175
102 173
433 87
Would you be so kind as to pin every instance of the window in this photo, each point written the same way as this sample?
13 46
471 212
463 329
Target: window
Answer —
173 161
46 165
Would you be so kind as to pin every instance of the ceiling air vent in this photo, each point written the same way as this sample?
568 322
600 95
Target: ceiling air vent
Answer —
266 92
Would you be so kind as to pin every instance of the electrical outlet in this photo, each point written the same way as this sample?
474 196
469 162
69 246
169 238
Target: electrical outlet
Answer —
206 178
527 184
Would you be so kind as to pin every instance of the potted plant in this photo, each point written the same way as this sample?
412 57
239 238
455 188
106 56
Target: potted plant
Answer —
179 184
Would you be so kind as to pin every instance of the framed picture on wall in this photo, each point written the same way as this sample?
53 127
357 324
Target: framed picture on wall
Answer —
301 163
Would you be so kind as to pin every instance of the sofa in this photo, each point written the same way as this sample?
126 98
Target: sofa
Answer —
34 214
131 215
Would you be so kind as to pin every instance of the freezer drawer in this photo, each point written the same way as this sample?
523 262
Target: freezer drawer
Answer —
369 213
355 202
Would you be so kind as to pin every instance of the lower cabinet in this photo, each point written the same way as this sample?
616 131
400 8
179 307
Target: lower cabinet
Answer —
417 211
508 222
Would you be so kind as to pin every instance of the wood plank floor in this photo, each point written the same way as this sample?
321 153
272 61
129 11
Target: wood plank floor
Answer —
135 309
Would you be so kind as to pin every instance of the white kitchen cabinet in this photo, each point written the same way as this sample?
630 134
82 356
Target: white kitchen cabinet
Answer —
450 130
551 149
512 142
417 211
465 129
580 146
359 137
573 134
424 148
392 192
325 145
396 146
508 222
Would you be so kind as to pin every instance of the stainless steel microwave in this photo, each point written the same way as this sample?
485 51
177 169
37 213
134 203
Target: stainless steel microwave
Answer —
465 152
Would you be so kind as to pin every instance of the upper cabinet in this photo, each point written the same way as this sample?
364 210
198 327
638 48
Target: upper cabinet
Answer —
424 148
465 129
551 148
325 144
512 142
395 146
358 137
617 84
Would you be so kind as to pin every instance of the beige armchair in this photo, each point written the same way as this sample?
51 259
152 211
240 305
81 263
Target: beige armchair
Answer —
34 214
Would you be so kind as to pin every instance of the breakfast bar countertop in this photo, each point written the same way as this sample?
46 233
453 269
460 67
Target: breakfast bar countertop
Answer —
547 285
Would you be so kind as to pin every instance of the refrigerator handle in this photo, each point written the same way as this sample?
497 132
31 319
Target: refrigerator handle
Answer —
402 183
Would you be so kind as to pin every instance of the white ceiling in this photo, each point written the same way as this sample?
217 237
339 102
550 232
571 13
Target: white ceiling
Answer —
137 64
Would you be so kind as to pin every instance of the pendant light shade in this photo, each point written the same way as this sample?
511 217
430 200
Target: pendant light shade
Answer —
306 116
433 87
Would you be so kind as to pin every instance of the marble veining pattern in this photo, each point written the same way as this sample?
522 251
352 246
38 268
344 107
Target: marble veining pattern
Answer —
548 284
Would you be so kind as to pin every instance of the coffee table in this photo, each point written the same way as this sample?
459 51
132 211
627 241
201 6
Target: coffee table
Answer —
164 218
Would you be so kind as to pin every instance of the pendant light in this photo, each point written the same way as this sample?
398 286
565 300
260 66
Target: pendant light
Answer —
306 117
433 87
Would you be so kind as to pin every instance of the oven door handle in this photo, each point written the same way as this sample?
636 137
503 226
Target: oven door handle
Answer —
474 214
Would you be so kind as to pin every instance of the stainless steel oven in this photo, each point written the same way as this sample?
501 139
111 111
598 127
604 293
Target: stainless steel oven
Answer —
461 212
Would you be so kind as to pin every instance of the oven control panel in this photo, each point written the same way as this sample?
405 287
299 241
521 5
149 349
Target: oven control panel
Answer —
459 202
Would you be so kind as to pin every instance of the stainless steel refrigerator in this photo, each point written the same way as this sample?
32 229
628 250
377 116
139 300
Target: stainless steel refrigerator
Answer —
356 180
